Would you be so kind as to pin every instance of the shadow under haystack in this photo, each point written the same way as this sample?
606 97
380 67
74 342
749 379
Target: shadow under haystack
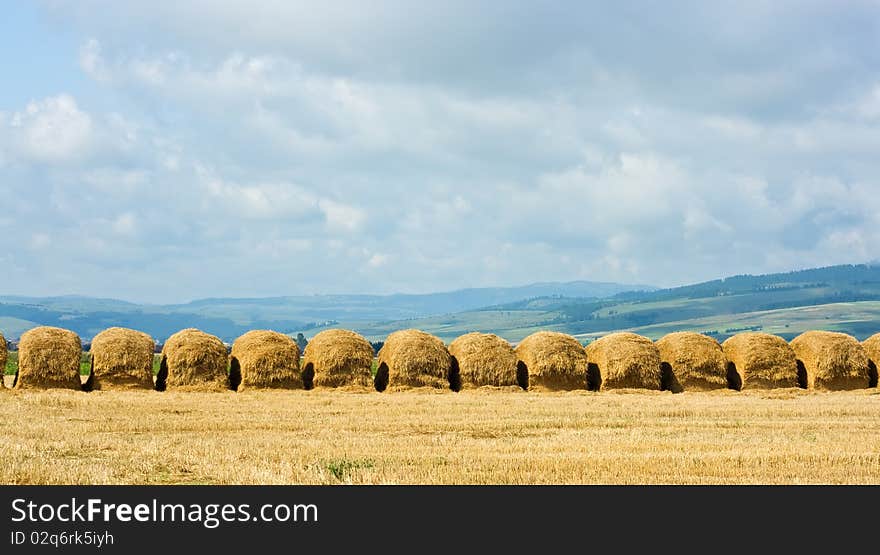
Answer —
337 358
413 358
872 349
49 357
696 362
485 359
551 360
264 359
760 361
122 359
193 359
623 360
831 360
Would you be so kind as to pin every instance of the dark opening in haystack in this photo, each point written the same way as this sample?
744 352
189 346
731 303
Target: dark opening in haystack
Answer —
734 380
380 381
308 375
162 375
522 374
234 373
801 374
454 374
668 380
594 377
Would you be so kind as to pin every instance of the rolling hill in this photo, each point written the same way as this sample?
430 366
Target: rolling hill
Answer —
229 318
844 298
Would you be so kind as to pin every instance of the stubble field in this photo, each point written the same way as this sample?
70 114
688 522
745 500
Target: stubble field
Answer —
427 437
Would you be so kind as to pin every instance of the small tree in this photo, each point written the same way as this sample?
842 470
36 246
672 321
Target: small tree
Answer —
301 342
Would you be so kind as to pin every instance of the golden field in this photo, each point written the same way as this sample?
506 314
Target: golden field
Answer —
484 436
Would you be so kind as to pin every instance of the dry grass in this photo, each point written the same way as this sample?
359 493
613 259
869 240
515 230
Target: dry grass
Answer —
423 436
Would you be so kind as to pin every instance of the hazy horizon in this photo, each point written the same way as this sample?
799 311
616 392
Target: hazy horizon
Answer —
164 151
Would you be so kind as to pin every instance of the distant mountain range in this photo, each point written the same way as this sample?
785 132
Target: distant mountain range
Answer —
229 318
844 298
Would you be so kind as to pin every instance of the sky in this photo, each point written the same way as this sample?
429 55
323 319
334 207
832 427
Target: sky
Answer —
163 151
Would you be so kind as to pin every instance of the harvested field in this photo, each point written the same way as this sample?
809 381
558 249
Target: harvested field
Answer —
428 436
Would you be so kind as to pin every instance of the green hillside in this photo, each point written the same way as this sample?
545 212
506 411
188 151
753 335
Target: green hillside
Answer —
846 298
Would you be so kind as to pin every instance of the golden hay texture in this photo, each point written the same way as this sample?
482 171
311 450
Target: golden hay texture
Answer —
193 359
760 360
485 359
830 360
336 358
122 358
49 357
696 360
872 349
263 358
551 360
413 358
623 360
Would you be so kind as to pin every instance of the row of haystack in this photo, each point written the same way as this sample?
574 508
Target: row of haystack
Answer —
192 359
122 358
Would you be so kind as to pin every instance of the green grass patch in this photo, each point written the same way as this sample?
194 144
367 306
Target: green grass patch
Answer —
11 364
342 468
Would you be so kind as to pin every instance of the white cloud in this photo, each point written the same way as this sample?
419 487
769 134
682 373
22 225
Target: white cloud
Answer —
51 130
342 216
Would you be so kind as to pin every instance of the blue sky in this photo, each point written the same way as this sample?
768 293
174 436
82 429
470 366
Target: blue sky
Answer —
163 151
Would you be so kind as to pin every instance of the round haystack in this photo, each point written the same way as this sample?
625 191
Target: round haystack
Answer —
336 358
830 360
551 360
413 358
264 359
49 357
695 361
192 359
485 359
122 359
623 360
760 360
